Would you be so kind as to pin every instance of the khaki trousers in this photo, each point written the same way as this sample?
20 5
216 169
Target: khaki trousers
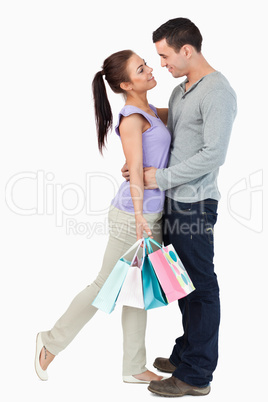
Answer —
122 235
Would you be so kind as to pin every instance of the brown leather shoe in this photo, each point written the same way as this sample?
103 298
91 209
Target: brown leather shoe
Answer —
174 387
163 364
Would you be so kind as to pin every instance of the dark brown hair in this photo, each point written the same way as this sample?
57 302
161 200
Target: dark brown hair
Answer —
179 32
115 71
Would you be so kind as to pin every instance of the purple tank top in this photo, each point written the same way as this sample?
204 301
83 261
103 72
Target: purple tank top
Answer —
155 142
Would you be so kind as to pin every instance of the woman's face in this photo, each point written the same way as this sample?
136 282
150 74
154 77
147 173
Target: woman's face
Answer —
140 75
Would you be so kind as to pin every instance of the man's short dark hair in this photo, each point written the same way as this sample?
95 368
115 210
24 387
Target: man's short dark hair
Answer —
179 32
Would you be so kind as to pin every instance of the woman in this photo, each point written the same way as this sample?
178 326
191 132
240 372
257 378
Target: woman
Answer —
145 142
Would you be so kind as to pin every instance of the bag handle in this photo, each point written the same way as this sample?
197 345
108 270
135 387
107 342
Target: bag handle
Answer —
137 244
136 253
148 240
147 244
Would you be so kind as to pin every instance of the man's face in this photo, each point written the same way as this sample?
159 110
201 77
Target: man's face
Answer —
176 63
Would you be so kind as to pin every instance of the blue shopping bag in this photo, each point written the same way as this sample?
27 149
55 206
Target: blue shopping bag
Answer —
107 296
153 293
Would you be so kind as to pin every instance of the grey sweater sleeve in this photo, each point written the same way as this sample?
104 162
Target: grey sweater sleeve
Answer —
218 110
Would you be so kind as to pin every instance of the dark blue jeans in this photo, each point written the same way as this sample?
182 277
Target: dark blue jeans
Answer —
189 227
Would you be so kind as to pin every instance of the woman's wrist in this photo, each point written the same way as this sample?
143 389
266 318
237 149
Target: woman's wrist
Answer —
138 213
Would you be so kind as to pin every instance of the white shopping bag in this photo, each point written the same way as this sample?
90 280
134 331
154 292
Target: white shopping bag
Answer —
131 293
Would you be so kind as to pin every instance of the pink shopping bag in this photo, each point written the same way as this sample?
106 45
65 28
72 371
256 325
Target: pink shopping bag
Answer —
171 273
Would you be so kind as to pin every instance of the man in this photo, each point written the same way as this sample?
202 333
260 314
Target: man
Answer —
201 113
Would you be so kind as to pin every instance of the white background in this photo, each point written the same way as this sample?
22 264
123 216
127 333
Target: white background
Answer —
50 52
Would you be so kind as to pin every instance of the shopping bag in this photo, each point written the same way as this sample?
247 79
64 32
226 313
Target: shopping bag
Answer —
131 293
108 294
152 292
170 271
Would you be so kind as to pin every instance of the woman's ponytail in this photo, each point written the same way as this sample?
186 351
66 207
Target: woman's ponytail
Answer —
103 112
115 71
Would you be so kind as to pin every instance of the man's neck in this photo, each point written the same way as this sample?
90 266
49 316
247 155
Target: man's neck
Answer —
198 70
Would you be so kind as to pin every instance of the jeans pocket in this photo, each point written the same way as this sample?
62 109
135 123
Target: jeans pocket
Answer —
180 207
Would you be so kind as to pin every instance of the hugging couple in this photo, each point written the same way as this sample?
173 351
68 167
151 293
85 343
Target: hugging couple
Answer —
172 162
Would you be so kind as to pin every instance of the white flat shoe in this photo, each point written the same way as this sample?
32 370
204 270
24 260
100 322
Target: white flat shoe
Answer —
132 380
42 374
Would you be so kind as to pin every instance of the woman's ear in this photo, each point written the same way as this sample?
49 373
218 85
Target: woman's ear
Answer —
126 86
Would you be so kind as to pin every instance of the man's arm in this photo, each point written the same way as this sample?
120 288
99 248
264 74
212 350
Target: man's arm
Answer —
148 175
219 111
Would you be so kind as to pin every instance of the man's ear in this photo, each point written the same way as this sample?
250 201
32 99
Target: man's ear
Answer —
126 86
187 51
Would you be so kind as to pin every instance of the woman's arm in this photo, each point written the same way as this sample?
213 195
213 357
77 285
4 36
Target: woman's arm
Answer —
131 129
163 114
